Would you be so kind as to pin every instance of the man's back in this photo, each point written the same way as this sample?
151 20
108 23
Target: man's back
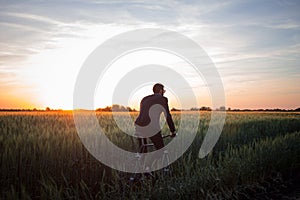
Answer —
150 110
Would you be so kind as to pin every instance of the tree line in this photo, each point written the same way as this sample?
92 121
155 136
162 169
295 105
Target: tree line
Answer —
121 108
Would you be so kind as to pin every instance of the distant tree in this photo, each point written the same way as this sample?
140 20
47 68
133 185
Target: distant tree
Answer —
47 109
297 109
175 109
204 108
222 108
106 109
116 108
130 109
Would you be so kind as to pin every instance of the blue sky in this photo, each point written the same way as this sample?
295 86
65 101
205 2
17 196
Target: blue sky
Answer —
255 45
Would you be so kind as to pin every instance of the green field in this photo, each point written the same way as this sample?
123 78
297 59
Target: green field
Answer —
256 157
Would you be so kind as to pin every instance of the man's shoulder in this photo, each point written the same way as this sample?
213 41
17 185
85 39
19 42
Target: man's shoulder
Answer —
155 96
147 97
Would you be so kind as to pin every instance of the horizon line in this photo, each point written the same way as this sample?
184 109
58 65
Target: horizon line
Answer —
135 110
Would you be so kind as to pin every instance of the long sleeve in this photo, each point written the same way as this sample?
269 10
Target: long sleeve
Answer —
169 116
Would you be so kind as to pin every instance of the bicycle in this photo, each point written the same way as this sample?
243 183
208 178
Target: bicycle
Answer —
135 181
139 158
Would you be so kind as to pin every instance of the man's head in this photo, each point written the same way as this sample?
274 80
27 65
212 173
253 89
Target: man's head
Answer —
158 89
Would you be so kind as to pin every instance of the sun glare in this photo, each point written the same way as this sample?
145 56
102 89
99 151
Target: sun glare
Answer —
54 70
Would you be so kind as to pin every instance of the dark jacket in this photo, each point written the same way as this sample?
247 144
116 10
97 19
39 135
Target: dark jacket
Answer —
151 108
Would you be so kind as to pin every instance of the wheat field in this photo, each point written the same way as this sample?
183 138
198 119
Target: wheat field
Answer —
257 156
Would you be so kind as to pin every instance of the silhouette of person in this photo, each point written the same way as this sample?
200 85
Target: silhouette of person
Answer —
147 123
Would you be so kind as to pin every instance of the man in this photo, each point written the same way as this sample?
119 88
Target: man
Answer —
147 123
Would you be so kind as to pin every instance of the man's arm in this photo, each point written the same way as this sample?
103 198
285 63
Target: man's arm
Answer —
169 117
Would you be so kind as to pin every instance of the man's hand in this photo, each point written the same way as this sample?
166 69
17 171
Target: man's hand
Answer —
173 134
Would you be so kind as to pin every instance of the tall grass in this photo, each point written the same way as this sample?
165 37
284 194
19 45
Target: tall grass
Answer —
42 157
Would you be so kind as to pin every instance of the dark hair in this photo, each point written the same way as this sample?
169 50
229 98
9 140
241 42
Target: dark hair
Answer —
157 87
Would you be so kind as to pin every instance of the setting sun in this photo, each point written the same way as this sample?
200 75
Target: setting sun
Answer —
52 72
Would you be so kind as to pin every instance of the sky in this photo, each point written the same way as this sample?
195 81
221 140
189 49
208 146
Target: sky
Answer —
254 45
